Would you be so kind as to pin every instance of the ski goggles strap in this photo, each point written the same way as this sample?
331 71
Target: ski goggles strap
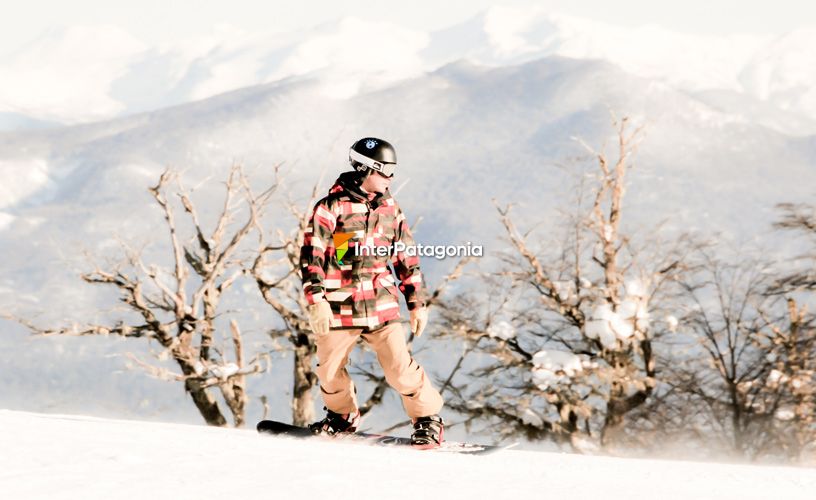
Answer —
387 169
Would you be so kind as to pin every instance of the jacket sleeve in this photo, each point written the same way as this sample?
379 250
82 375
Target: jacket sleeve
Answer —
315 251
407 266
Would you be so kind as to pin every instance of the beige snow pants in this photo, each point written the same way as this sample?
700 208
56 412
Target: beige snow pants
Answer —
402 372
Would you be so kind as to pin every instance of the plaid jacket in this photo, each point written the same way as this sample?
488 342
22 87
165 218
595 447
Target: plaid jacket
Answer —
360 287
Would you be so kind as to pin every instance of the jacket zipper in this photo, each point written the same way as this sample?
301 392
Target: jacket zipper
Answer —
365 237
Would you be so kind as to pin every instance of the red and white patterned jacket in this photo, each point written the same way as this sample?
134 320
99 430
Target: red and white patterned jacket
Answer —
361 289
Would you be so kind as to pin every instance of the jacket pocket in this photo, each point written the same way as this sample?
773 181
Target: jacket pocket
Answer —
386 282
339 295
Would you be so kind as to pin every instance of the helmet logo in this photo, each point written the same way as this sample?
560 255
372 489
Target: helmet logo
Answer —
370 143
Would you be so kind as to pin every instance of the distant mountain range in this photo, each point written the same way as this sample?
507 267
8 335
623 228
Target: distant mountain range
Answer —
465 134
86 73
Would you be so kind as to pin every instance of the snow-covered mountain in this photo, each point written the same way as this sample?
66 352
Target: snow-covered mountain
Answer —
466 134
60 456
85 73
718 153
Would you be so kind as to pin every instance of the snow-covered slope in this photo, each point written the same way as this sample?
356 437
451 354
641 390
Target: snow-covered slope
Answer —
59 456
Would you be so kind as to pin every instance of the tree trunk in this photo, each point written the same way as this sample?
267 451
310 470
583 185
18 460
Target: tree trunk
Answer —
304 381
235 396
613 422
736 417
205 403
203 400
618 406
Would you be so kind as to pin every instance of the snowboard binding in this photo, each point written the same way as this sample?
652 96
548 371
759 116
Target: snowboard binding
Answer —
428 432
336 423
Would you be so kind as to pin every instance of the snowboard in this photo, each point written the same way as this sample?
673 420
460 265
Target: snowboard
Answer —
282 429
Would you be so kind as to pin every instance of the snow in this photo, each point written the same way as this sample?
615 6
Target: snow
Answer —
683 60
5 220
21 177
356 54
553 360
67 75
628 308
636 288
62 456
607 232
530 417
545 379
623 327
565 289
226 370
776 376
599 325
612 326
501 329
785 414
505 28
784 72
634 311
551 368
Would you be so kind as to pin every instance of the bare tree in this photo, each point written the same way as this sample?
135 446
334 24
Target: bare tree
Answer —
280 284
178 308
728 321
800 219
791 383
564 345
752 374
795 338
756 391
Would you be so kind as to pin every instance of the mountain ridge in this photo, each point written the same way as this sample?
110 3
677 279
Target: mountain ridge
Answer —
130 76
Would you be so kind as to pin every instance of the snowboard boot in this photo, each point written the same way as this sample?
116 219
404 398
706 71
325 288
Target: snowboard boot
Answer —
336 423
428 432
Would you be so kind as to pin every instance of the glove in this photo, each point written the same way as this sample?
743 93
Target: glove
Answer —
320 315
419 318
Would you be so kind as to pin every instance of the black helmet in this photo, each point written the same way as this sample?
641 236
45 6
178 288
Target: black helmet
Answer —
375 154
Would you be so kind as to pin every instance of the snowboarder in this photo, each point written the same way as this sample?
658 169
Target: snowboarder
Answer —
351 292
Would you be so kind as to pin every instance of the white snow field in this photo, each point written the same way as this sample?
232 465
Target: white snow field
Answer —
60 456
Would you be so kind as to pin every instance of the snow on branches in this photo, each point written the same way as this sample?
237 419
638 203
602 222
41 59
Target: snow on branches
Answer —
574 354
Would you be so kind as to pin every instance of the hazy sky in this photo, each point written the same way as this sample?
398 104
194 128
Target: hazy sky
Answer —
164 20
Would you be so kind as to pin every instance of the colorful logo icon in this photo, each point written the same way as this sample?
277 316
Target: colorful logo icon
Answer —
341 244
